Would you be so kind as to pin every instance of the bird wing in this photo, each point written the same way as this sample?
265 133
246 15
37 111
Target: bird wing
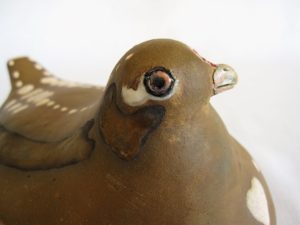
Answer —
43 107
44 112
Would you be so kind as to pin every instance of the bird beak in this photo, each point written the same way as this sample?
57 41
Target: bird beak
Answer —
224 78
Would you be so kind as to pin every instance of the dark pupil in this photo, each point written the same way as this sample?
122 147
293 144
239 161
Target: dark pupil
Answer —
158 82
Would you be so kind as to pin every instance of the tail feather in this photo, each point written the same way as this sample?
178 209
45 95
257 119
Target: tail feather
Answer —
24 71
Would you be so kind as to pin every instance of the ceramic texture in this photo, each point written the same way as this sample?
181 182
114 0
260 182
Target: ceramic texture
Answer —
146 149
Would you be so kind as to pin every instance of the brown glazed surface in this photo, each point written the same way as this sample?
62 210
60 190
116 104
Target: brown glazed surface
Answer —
84 156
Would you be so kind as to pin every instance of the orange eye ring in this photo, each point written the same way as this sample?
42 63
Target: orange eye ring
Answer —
159 81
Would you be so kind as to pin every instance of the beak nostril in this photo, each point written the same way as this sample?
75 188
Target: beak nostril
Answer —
226 69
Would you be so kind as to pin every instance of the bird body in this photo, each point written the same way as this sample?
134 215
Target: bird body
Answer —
148 149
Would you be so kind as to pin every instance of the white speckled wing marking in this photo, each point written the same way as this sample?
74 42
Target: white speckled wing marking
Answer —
36 94
53 81
257 202
28 93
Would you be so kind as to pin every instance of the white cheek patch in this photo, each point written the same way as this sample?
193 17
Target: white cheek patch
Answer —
140 95
257 202
135 97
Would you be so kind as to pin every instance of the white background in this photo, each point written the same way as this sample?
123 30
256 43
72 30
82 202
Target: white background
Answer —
82 40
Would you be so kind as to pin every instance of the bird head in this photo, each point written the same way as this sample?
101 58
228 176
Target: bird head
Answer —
156 82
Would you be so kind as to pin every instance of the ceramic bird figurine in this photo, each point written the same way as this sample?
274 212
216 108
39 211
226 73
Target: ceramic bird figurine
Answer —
148 149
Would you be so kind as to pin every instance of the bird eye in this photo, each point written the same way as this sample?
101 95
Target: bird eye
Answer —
159 81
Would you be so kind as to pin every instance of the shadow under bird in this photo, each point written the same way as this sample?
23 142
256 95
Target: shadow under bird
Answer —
148 149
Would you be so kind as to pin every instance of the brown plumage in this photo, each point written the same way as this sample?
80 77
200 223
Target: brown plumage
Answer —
148 149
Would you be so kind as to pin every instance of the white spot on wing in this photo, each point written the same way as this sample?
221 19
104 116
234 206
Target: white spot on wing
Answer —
83 109
50 103
38 97
38 66
16 74
63 109
53 81
257 202
42 101
19 84
20 108
11 63
28 94
72 111
32 93
26 89
14 106
10 103
56 106
47 73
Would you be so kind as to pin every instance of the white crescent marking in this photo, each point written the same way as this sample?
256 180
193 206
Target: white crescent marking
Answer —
129 56
140 95
257 202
